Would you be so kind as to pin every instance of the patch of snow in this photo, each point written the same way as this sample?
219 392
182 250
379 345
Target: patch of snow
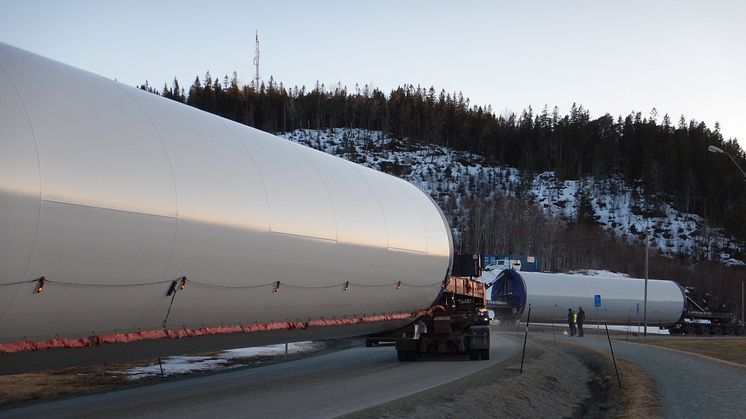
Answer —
637 329
271 350
174 365
592 329
597 272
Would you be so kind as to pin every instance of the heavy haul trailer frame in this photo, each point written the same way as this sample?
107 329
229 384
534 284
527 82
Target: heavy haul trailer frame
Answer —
698 321
457 324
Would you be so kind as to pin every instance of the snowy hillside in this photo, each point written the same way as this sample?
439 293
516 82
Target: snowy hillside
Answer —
449 175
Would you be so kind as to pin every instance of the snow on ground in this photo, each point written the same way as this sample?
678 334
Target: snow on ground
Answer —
633 329
271 350
620 209
174 365
450 175
490 273
592 329
597 272
638 329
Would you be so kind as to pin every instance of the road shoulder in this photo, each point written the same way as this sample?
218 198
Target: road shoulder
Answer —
557 381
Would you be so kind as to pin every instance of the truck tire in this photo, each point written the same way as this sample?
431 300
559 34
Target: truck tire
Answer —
484 354
402 356
474 354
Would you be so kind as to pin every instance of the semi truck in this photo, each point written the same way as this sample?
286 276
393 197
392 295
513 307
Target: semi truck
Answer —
458 324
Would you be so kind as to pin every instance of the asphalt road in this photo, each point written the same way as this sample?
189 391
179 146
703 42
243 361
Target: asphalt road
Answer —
321 386
689 386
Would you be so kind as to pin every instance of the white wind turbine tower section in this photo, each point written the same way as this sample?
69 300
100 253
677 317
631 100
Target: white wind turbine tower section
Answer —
148 219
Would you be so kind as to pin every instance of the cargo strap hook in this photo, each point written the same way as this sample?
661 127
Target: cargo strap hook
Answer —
176 285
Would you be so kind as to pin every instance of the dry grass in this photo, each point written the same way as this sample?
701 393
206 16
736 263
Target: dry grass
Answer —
17 388
76 381
732 349
639 395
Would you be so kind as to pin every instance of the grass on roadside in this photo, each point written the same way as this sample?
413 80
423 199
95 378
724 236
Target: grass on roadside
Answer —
731 349
57 383
640 397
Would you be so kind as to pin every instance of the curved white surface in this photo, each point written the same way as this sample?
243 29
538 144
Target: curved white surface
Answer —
104 184
550 295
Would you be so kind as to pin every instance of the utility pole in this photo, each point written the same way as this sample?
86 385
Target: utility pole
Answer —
718 150
645 300
256 63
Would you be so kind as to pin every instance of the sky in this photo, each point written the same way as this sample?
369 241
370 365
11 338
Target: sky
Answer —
680 57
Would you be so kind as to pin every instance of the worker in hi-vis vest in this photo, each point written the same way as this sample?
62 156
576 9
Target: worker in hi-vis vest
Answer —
571 321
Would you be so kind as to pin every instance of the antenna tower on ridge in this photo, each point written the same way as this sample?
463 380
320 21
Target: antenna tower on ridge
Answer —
256 62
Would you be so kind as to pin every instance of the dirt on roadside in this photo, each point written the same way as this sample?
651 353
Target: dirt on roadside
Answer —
557 381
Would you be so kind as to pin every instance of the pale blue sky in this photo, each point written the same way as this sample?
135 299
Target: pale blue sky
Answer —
682 57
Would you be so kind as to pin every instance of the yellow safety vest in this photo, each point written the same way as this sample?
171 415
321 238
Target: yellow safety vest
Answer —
575 317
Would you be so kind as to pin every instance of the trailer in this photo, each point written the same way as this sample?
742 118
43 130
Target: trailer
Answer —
701 321
457 324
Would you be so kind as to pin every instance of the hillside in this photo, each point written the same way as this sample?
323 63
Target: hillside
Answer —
459 181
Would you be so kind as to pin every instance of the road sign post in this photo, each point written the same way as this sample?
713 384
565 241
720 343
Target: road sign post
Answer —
597 304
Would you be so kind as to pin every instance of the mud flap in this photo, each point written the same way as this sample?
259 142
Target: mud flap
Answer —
479 338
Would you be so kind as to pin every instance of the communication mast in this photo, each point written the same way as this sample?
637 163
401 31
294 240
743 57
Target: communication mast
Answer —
256 62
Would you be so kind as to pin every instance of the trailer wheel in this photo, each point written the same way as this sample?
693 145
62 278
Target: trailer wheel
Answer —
402 356
484 354
474 354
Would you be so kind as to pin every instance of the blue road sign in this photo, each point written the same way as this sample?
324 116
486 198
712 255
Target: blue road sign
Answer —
597 300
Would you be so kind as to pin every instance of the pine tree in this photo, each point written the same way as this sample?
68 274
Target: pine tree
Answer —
585 212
